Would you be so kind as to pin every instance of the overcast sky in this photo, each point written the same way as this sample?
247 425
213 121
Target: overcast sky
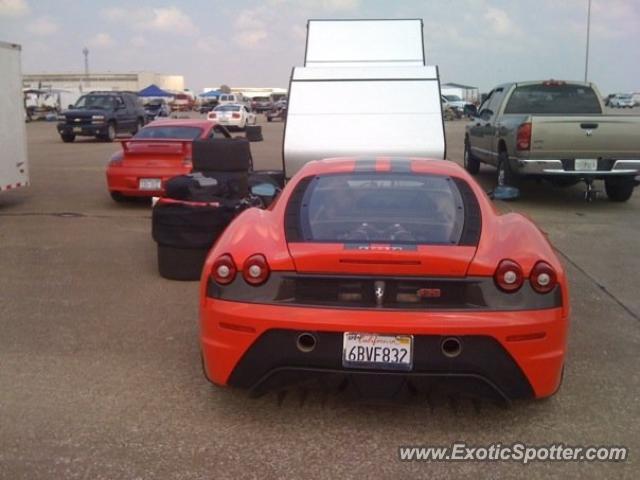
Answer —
255 43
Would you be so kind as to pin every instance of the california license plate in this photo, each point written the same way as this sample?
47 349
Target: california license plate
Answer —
77 129
370 350
150 184
589 164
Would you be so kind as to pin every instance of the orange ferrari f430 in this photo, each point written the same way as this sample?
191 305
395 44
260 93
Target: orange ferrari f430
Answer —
384 276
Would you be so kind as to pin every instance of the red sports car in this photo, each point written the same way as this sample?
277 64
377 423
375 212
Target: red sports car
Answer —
159 151
385 275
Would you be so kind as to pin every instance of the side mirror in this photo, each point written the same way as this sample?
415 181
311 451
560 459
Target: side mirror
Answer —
70 107
505 193
264 190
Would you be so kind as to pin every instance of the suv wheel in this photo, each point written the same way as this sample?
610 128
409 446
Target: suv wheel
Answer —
471 162
619 189
111 132
67 137
138 127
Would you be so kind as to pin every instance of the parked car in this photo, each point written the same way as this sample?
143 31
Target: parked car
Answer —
622 100
158 152
278 112
391 276
232 115
556 131
102 115
457 103
157 108
261 104
231 98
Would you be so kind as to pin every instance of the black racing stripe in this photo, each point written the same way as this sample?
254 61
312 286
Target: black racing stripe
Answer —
365 165
400 165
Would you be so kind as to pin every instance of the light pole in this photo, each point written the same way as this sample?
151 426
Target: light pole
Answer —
586 57
85 52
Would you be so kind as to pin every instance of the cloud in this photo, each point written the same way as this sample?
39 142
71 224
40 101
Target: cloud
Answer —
101 40
13 8
251 28
167 19
139 41
499 22
208 44
42 26
324 5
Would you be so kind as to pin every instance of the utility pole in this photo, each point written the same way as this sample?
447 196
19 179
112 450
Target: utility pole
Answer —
586 58
85 52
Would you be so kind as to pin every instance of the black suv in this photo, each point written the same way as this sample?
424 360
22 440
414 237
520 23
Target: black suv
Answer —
102 115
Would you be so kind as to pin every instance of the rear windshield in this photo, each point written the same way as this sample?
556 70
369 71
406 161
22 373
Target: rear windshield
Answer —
227 108
553 99
180 133
382 208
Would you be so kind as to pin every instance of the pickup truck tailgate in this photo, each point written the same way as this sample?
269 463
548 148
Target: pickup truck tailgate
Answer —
588 136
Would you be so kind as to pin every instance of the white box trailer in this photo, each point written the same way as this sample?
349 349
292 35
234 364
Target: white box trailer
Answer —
14 169
365 90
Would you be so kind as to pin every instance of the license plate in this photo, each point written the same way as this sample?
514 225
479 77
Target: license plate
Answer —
370 350
77 129
590 164
150 184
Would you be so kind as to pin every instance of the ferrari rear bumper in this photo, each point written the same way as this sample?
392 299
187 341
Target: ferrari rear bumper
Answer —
126 180
508 354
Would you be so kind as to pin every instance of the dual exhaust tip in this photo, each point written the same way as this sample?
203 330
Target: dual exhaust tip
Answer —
450 347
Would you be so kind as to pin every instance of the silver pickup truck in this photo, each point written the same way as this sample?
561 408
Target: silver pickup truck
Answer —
557 131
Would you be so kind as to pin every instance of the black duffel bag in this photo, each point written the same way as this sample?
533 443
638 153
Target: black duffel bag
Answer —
221 155
234 184
195 187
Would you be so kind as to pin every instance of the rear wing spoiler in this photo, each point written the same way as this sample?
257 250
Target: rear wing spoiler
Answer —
157 145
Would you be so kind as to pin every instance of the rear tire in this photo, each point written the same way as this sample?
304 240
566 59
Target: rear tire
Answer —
471 162
110 136
504 174
619 189
118 197
138 127
184 264
68 138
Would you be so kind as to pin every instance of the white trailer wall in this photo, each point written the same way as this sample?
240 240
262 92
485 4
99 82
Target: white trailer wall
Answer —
14 170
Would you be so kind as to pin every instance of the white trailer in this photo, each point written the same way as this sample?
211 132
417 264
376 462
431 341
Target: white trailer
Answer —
14 169
365 90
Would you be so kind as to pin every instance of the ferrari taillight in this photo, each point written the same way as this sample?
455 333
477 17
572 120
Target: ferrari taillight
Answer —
224 269
255 269
508 276
543 277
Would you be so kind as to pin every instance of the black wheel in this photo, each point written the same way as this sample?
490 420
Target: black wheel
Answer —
67 137
181 263
619 189
111 132
471 162
504 174
118 197
138 127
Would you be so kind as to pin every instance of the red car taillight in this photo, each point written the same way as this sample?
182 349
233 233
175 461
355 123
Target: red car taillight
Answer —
255 269
224 270
508 276
543 277
212 115
523 138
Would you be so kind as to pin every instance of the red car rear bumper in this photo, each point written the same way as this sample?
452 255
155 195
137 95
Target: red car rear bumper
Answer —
532 342
126 180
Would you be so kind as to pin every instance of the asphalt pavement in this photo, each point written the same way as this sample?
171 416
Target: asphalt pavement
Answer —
100 372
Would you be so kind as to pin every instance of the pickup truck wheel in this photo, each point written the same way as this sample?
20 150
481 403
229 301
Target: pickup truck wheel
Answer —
619 189
471 162
68 138
505 175
111 132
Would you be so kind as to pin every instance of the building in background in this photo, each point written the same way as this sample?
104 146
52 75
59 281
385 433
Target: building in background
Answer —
79 82
465 92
